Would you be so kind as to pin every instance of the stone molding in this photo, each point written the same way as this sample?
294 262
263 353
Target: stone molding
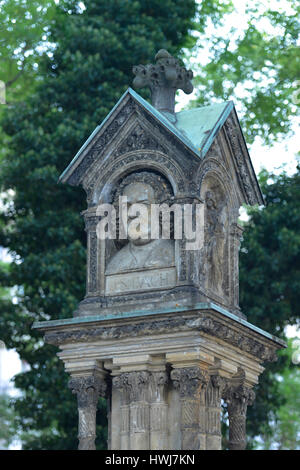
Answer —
203 322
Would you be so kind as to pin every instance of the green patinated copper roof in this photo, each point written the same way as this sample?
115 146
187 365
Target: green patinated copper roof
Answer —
195 128
201 125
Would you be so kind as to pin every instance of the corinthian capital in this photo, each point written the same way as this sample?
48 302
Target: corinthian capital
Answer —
188 380
88 389
238 398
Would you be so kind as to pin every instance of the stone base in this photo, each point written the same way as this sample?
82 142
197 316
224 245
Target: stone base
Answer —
166 373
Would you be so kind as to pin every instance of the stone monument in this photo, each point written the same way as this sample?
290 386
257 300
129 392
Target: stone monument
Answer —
160 333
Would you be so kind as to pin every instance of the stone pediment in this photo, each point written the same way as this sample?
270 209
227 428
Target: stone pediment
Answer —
134 124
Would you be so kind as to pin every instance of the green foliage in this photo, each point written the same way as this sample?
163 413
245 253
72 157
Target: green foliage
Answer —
270 282
41 224
8 426
284 432
24 32
257 67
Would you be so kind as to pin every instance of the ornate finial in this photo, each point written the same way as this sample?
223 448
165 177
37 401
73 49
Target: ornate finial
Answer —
163 79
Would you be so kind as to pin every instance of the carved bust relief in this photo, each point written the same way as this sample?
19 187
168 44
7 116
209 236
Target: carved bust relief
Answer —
142 262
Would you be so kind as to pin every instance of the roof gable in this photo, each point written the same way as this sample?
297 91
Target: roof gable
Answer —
194 129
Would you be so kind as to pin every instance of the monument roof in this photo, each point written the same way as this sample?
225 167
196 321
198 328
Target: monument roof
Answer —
196 128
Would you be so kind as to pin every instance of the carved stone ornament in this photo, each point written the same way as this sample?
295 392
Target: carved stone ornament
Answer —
88 389
188 380
204 323
135 384
237 399
163 79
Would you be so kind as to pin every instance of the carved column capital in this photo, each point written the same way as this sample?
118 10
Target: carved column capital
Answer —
88 389
136 384
188 380
238 398
219 383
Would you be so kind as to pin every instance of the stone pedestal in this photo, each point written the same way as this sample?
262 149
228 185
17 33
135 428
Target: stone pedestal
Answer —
168 373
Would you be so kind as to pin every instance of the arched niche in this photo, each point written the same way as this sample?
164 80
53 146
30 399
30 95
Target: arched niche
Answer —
102 186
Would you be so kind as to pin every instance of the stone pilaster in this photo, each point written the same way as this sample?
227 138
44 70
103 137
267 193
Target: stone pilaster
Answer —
158 411
238 397
139 411
213 395
191 383
91 221
236 235
120 383
88 390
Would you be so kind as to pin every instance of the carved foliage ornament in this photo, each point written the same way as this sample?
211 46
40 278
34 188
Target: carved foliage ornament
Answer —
204 323
188 380
88 390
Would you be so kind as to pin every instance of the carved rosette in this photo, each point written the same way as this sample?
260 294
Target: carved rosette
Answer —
237 399
88 389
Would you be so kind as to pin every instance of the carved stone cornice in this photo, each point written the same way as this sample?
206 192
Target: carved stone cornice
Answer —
204 322
188 380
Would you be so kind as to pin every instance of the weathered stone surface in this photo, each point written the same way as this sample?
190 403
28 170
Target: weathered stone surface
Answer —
88 389
160 332
163 79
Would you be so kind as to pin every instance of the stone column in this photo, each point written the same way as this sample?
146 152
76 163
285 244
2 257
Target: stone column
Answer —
88 389
158 411
237 399
213 395
191 382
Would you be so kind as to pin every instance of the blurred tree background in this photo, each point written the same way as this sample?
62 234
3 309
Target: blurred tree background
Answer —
65 64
